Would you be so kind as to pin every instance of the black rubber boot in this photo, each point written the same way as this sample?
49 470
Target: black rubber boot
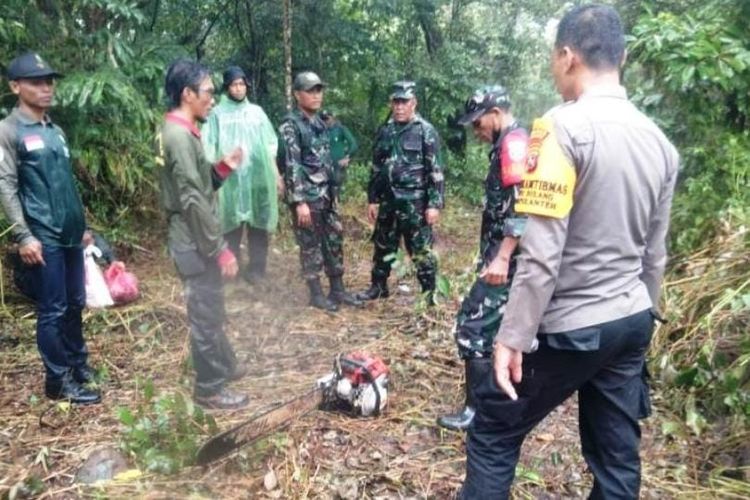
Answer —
460 420
378 290
339 295
428 288
317 299
84 374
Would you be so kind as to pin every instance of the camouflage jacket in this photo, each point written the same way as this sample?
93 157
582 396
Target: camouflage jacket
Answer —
304 158
499 217
407 164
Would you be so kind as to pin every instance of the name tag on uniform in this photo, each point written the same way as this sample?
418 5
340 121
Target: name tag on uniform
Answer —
33 142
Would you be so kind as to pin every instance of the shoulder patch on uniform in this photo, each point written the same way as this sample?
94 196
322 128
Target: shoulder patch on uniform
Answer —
513 157
548 183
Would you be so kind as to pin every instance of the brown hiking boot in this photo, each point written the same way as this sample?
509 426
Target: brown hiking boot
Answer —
223 400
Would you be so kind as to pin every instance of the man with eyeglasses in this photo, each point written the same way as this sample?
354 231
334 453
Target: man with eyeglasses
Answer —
195 242
41 201
247 199
405 193
488 110
305 160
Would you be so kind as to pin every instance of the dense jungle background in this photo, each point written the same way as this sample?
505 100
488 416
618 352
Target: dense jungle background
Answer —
688 68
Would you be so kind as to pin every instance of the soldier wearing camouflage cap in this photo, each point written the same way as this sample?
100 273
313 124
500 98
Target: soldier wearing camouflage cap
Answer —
305 160
488 111
405 192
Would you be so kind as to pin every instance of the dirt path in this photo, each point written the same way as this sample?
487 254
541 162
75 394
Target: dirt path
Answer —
402 454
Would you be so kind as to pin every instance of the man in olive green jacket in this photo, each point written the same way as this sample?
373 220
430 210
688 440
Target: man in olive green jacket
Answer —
195 241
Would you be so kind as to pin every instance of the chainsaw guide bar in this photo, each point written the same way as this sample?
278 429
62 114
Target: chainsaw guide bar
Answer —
258 427
358 385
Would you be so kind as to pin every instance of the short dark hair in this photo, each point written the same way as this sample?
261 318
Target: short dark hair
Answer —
183 73
595 32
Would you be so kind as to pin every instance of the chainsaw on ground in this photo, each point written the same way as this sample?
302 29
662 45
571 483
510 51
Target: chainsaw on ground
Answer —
358 385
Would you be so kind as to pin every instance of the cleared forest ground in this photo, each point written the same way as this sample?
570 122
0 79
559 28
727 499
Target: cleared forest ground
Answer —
402 454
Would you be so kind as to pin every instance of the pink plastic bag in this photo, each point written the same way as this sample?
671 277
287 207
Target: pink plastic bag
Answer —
123 286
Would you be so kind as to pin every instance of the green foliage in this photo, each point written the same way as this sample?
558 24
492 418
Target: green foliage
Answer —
693 73
164 433
465 174
704 352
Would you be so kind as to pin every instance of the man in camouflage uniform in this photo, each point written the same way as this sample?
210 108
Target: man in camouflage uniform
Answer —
488 110
305 159
405 192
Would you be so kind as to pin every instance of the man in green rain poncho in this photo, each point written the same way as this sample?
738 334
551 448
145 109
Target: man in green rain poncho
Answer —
248 199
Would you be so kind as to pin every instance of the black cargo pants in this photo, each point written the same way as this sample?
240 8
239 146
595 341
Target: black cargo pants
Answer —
257 247
605 364
213 357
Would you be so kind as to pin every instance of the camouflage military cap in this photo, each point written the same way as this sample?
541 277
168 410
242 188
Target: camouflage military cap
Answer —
307 80
483 100
404 89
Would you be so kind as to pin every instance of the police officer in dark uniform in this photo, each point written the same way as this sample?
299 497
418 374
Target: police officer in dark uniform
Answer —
305 159
40 199
488 111
405 193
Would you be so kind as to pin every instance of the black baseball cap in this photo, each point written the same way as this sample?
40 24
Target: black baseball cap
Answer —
482 100
30 66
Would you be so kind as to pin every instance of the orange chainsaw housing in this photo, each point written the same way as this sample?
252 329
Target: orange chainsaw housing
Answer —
359 366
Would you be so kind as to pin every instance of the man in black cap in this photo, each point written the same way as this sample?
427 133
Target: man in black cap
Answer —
247 199
40 199
488 111
305 158
405 193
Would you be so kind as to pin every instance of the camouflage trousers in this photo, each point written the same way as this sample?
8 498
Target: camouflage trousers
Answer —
322 244
401 218
479 319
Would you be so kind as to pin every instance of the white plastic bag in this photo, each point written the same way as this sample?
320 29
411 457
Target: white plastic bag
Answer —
97 292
